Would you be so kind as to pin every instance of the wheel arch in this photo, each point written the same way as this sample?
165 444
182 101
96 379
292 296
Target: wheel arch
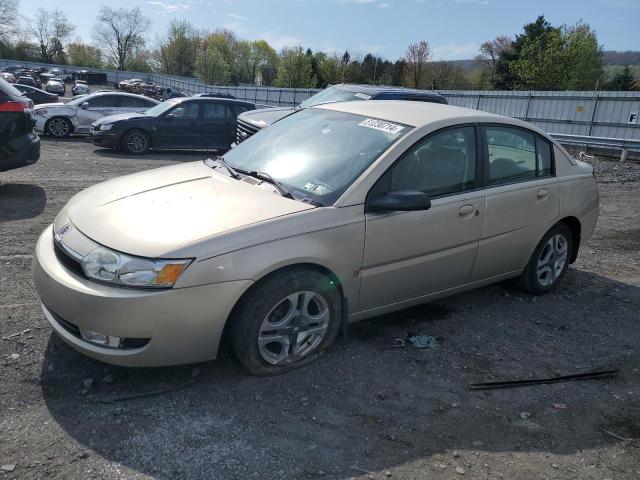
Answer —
66 117
576 228
305 265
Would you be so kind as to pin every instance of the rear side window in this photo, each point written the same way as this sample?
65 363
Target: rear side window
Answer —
187 110
215 111
516 155
133 102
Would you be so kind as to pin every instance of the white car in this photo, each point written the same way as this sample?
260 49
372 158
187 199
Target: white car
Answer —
62 119
80 87
55 86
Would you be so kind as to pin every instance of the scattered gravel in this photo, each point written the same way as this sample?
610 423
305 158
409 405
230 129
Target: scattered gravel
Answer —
368 409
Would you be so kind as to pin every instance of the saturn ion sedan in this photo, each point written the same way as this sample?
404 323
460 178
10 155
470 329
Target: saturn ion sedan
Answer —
333 214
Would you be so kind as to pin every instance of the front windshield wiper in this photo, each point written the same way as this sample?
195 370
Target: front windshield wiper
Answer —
219 161
269 179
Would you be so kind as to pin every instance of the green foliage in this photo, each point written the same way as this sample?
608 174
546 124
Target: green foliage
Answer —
212 63
177 54
623 80
295 69
83 55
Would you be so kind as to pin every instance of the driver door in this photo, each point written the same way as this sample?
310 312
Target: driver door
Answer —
411 254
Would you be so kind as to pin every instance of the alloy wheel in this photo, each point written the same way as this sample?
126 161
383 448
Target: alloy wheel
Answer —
552 260
293 328
58 127
136 142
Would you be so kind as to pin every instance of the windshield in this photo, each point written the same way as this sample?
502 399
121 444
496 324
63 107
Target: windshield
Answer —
332 95
161 108
316 154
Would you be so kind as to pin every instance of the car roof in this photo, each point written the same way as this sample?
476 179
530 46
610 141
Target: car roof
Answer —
377 89
419 114
213 99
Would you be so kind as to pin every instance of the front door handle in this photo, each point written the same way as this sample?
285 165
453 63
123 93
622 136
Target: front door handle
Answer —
466 210
543 193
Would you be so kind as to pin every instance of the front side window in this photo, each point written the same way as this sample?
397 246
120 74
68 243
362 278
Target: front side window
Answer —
187 110
444 163
104 101
516 155
317 154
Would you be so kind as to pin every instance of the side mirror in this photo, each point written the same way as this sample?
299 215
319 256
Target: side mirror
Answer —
399 201
84 105
170 117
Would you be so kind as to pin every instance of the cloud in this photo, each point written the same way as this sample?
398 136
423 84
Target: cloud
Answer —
454 51
384 5
279 41
165 7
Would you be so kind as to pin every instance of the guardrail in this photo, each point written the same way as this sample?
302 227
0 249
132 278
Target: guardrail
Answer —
583 140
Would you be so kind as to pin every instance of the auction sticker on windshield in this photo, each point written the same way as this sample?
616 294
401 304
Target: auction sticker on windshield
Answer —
387 127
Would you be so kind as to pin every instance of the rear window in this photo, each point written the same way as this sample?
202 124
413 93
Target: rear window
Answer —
8 90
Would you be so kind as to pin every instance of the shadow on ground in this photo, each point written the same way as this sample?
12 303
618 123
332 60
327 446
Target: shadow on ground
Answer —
19 201
368 402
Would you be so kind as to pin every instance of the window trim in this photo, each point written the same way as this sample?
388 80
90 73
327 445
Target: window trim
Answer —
479 174
485 153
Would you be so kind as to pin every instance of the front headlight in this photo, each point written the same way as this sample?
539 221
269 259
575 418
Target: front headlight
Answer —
106 126
118 268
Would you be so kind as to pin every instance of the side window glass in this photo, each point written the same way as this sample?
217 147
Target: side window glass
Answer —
214 111
512 155
104 101
187 110
544 157
237 110
441 164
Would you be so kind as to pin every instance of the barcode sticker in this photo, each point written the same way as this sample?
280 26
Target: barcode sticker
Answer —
387 127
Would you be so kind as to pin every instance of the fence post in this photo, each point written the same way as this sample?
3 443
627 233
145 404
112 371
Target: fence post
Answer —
478 104
526 113
593 113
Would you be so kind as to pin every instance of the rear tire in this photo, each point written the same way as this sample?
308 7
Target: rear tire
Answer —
135 142
286 321
549 261
58 127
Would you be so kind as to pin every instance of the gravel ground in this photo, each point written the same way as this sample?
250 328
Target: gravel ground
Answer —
368 409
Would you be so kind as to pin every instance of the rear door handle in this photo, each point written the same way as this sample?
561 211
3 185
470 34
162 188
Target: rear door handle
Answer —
543 193
466 210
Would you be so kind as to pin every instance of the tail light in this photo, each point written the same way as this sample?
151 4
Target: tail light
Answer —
11 106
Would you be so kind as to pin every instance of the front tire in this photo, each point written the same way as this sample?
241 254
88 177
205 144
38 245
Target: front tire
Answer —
549 261
286 321
135 142
58 127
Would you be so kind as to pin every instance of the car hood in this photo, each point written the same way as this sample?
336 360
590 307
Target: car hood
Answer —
265 116
153 213
120 116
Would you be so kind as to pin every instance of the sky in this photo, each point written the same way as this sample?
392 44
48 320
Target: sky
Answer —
454 28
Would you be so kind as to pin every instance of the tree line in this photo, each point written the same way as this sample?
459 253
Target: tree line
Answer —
542 57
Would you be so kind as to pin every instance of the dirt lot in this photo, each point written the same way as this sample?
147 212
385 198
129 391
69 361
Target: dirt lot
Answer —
365 410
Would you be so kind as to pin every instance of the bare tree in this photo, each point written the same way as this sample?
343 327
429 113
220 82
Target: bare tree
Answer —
51 29
416 59
119 33
8 19
490 52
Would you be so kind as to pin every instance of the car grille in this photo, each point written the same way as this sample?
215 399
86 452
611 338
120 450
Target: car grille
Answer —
245 130
67 260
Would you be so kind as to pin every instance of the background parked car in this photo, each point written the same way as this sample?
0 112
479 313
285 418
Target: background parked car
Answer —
62 119
184 123
19 145
26 80
8 76
80 87
251 122
55 85
36 95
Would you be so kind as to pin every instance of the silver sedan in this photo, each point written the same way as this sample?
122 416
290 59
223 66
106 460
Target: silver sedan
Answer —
62 119
333 214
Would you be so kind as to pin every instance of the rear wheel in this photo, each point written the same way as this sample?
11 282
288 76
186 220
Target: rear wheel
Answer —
286 321
549 261
135 142
59 127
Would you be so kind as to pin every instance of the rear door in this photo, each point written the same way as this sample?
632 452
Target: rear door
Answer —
178 127
99 106
411 254
218 127
522 198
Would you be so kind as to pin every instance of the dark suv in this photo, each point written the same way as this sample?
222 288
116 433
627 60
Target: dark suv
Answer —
19 144
251 122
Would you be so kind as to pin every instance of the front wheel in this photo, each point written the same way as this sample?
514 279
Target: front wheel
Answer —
549 262
286 321
58 127
135 142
